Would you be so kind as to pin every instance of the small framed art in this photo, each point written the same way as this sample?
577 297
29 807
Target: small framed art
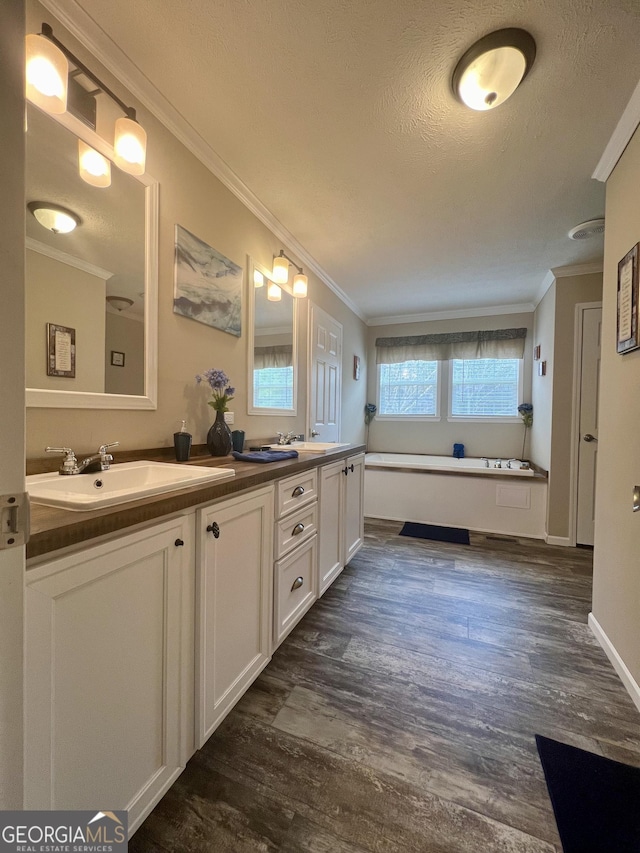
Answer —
627 325
356 367
61 351
117 358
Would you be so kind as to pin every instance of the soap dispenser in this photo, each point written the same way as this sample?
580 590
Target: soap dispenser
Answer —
182 443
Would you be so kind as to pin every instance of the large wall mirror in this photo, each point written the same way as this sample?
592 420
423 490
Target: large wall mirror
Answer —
99 281
272 346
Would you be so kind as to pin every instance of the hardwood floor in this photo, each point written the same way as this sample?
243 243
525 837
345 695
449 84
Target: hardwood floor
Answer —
399 716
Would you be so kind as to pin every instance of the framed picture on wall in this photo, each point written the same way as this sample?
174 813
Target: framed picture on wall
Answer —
627 325
356 367
61 351
117 358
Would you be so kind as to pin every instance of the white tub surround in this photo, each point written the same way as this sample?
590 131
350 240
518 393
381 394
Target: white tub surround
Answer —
455 493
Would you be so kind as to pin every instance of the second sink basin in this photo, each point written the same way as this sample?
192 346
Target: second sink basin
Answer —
124 482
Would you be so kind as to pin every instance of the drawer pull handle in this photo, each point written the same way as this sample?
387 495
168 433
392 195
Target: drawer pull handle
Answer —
178 543
297 583
297 529
299 490
215 529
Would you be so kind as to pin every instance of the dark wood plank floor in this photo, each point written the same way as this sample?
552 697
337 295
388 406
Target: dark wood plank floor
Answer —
399 716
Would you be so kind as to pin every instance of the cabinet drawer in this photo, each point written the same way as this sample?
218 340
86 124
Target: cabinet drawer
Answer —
295 529
296 491
295 588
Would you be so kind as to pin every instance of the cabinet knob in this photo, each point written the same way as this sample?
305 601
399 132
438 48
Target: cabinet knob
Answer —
297 529
345 470
351 467
299 490
297 583
178 543
215 529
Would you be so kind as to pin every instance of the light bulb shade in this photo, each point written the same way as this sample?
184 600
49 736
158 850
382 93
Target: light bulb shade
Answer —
274 293
258 279
58 219
119 302
300 285
281 270
130 146
93 167
46 75
493 68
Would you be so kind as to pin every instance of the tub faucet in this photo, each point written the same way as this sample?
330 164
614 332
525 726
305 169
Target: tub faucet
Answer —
485 460
497 463
100 461
509 465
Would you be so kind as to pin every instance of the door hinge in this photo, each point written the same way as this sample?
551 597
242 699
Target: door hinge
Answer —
14 520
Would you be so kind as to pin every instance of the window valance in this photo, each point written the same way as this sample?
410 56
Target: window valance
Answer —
278 356
495 343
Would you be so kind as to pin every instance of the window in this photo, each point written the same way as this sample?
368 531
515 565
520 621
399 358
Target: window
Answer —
408 389
273 387
485 387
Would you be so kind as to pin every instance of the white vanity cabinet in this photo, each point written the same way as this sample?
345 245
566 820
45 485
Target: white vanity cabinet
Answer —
234 593
341 518
295 552
109 672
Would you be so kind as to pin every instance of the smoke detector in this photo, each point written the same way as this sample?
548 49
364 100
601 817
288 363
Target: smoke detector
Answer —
586 230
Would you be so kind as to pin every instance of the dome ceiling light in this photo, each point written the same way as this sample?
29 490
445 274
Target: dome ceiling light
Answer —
55 218
493 68
592 228
119 302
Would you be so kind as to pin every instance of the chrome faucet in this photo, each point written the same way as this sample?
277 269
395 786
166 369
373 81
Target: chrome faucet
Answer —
485 460
497 463
286 439
100 461
510 461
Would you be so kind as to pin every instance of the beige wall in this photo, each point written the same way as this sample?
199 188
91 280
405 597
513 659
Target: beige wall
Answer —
616 588
192 197
569 291
58 293
126 335
479 439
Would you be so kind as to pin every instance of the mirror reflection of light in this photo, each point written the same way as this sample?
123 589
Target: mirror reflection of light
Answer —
46 74
55 220
258 278
130 146
94 168
274 293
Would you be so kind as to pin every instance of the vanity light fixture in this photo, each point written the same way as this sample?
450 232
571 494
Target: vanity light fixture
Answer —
55 218
93 167
119 302
47 89
274 292
493 68
281 274
258 279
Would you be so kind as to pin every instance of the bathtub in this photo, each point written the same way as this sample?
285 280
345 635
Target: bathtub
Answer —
455 493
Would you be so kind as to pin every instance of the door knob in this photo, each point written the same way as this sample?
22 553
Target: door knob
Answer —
314 433
588 437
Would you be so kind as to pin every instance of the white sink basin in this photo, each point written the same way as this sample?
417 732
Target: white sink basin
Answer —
127 481
311 446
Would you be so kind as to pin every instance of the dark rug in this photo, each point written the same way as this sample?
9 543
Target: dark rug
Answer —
596 801
432 531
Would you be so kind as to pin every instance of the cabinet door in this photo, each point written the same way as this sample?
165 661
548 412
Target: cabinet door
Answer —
103 673
353 507
330 524
235 587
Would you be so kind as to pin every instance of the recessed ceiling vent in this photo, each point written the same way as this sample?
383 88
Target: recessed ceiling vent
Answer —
586 230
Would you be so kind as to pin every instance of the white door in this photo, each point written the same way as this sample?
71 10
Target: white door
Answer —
325 383
12 445
588 424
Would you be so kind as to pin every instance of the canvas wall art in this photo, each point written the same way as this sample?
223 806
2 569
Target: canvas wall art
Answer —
208 286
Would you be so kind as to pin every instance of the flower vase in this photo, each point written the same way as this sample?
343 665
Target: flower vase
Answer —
219 437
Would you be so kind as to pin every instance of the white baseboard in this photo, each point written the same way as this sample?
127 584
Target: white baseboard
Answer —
633 689
558 540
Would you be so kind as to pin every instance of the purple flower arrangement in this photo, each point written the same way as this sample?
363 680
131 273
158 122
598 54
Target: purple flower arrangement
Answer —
221 392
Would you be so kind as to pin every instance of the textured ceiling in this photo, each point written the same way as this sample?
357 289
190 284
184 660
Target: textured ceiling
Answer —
338 115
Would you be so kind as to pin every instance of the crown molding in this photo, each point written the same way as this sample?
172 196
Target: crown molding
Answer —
461 313
621 137
565 272
65 258
86 30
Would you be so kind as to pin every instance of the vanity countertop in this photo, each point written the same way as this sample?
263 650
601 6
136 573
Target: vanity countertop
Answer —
54 529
